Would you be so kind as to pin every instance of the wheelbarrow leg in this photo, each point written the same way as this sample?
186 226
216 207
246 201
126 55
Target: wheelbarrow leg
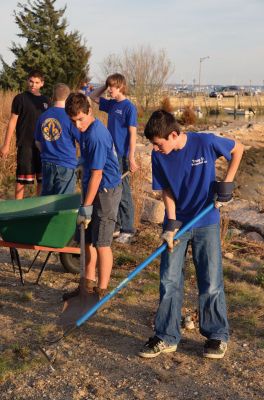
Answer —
16 261
32 263
43 267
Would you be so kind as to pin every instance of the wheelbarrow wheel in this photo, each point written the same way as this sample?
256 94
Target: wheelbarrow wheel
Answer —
69 261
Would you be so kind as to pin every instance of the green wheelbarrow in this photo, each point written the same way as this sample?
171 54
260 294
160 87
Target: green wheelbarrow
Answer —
46 223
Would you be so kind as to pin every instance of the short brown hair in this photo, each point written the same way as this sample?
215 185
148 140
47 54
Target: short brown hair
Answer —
118 81
76 103
60 92
161 124
36 73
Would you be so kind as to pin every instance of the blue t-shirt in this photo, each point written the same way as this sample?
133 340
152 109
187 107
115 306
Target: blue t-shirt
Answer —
121 115
190 175
57 135
97 151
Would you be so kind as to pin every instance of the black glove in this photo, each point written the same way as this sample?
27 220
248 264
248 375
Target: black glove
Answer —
224 193
170 229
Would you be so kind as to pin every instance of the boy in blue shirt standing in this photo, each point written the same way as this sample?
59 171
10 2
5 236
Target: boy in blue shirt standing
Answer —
55 137
183 168
122 124
102 193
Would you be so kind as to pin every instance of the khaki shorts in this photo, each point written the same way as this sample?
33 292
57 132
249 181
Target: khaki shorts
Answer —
105 207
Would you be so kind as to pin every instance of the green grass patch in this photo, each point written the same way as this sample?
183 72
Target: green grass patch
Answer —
152 275
16 359
260 276
243 295
125 259
150 288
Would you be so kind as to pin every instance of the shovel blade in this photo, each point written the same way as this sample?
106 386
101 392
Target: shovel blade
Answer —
75 308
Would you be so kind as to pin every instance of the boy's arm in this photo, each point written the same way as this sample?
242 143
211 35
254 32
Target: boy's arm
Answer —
132 148
96 93
86 210
93 186
171 226
236 155
224 190
4 149
169 203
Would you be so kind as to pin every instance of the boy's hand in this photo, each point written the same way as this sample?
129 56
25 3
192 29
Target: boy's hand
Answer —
84 215
4 150
224 193
132 165
171 228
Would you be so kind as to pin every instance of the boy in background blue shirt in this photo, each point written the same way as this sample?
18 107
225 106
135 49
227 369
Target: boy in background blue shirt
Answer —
183 168
55 136
122 124
102 193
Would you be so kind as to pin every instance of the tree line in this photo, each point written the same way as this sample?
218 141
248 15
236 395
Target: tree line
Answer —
64 56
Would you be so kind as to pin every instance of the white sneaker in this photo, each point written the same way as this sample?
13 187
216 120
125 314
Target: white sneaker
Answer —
124 237
116 234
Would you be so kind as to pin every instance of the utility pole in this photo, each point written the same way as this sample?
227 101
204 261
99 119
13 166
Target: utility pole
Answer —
200 68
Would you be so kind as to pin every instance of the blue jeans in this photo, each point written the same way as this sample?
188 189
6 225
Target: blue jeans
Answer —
125 216
57 179
206 248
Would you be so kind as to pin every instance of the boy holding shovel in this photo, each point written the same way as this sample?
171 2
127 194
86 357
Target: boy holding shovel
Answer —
183 168
101 185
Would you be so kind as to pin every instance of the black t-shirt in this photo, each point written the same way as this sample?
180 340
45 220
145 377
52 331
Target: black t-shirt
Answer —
28 107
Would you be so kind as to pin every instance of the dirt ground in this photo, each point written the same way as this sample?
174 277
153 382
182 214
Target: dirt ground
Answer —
100 361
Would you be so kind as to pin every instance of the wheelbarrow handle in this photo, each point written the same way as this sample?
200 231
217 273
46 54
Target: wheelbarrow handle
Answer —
141 266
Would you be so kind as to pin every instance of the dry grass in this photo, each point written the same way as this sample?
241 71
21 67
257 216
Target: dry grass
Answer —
7 165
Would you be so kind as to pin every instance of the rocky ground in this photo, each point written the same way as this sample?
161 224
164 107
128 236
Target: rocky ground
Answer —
99 360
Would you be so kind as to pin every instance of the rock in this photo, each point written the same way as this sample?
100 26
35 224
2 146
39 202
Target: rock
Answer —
229 256
254 236
153 210
234 232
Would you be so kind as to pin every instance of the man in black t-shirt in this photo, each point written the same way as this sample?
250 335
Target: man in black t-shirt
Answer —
26 108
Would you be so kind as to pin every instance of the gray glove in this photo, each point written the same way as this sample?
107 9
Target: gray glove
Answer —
224 193
170 229
84 215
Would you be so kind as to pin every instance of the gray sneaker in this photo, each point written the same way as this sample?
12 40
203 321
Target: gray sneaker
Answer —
124 237
214 348
155 346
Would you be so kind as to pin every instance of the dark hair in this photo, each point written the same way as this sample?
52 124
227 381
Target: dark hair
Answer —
35 73
161 124
118 81
76 103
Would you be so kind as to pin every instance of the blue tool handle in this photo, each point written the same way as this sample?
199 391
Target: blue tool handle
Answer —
141 266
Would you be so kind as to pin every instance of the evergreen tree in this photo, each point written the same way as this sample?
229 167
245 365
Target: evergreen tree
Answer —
61 56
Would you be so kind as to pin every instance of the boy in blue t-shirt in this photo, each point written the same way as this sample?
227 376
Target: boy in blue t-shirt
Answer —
101 191
122 124
55 136
183 168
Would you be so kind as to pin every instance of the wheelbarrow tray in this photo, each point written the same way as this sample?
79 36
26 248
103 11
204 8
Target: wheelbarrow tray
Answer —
44 221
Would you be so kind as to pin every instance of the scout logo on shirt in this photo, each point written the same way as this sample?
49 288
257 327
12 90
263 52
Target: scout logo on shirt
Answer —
51 129
46 106
199 161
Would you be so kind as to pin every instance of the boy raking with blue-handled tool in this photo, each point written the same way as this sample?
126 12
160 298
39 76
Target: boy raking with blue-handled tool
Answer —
183 168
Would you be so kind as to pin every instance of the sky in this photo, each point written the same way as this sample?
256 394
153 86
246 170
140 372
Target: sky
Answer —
229 32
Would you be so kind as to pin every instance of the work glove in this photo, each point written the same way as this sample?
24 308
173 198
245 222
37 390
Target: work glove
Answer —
224 193
170 229
84 215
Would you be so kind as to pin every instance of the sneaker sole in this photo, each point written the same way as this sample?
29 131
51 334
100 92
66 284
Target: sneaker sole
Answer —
214 356
149 355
